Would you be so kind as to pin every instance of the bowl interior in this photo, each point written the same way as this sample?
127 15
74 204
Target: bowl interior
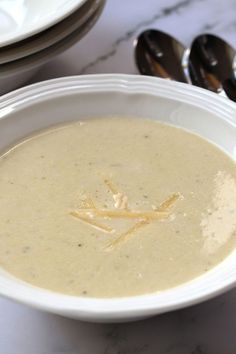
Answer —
59 101
65 108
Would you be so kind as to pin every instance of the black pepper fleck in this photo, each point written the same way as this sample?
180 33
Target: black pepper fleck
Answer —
25 249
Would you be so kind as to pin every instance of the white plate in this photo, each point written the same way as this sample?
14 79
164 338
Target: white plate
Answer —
14 74
20 19
49 37
39 106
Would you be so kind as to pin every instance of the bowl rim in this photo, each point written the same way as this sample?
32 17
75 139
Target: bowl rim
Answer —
135 306
210 101
47 21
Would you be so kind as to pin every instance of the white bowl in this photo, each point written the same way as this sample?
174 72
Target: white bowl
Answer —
16 73
42 105
21 19
50 36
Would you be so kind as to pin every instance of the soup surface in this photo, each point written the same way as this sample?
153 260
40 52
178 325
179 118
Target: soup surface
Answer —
115 207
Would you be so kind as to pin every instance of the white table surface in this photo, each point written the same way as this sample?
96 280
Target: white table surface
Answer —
208 328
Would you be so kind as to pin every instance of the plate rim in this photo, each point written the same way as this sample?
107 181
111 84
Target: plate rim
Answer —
69 7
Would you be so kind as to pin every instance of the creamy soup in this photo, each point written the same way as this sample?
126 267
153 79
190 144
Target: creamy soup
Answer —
115 207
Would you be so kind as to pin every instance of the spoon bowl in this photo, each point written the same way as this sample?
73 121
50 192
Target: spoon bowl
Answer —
210 62
159 54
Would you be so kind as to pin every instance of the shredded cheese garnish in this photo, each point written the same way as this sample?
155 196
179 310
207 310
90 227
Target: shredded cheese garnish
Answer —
120 199
111 186
126 235
168 203
122 214
88 203
89 212
92 222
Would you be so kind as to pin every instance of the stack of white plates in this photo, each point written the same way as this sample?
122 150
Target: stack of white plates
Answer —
32 32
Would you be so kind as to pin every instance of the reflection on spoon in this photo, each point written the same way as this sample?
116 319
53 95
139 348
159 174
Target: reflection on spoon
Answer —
159 54
219 222
210 62
229 86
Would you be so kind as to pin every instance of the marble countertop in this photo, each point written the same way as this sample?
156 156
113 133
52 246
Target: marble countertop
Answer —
108 48
208 328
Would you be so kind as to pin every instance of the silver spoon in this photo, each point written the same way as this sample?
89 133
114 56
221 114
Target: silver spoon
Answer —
229 86
210 64
159 54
